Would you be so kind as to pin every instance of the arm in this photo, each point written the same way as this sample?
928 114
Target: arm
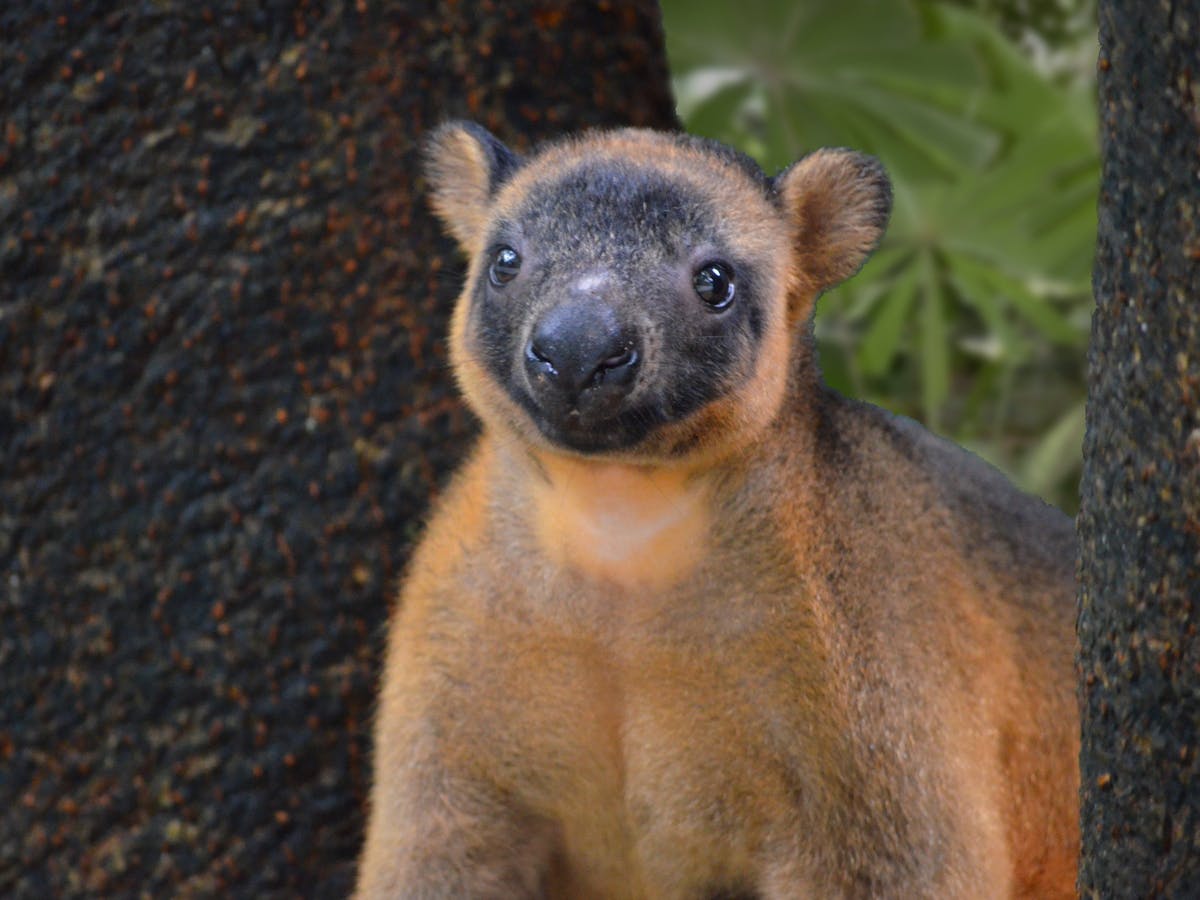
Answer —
440 825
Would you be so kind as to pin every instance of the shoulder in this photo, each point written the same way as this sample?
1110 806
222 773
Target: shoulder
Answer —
908 461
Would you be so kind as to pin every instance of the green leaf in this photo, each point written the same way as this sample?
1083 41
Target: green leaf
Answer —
857 297
1037 310
715 107
882 340
977 293
935 356
826 71
1058 454
955 143
980 290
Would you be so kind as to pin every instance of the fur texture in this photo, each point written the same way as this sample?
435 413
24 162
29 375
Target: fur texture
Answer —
688 624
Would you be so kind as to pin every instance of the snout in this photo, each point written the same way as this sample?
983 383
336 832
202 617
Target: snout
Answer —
581 361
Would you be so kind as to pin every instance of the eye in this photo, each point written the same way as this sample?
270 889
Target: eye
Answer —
505 266
713 283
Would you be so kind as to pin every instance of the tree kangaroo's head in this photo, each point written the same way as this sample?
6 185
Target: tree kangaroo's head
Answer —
636 295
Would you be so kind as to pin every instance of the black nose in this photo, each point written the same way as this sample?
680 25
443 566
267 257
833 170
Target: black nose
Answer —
580 353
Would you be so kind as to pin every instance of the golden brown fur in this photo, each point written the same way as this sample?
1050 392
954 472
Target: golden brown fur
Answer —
790 646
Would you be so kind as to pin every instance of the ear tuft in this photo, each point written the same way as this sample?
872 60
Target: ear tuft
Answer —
839 202
465 165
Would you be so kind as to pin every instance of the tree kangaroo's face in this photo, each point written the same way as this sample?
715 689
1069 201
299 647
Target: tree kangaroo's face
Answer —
634 294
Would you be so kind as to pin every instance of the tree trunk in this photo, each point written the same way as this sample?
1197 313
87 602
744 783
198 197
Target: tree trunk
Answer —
1139 521
224 400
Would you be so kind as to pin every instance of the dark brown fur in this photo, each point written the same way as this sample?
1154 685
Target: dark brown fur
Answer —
787 646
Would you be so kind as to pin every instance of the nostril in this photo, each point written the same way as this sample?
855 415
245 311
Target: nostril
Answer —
536 354
618 369
627 357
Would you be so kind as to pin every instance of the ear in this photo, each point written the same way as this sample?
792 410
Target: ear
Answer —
465 166
839 202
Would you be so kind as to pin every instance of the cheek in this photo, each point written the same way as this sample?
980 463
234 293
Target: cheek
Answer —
766 380
492 330
759 350
694 358
746 403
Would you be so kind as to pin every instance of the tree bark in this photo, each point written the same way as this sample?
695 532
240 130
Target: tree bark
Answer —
1139 521
224 401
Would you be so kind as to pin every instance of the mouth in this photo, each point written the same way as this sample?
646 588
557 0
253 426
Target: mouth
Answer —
585 431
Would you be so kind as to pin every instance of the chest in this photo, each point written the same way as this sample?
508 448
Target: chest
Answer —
627 527
651 679
672 756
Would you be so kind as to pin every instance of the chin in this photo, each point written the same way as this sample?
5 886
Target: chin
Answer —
571 431
596 439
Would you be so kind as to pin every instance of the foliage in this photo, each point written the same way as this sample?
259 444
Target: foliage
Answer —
973 314
1053 24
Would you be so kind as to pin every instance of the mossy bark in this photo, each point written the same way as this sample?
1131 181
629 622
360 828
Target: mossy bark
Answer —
1139 520
224 403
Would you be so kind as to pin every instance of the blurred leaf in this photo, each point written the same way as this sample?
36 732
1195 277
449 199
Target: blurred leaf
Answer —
985 270
1056 455
817 66
974 291
982 284
935 362
882 340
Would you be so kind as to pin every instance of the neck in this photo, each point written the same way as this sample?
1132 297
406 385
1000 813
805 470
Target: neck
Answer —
633 526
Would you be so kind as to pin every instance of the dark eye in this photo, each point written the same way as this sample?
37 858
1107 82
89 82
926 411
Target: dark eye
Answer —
505 266
714 284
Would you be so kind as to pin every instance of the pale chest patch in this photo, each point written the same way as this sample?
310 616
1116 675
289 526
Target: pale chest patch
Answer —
635 526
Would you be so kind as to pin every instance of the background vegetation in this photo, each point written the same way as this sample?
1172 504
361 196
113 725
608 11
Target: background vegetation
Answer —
973 316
